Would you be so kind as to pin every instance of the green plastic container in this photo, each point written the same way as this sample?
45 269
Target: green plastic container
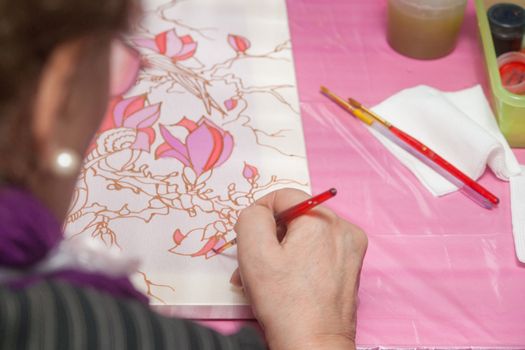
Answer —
509 107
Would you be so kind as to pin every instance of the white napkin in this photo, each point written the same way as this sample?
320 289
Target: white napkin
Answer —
517 200
459 126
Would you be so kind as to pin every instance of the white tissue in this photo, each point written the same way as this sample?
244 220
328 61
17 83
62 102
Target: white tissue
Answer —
517 200
459 126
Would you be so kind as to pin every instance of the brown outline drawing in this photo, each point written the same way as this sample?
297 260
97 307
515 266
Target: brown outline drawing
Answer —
180 190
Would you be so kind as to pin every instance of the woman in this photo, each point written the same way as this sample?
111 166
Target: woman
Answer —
55 59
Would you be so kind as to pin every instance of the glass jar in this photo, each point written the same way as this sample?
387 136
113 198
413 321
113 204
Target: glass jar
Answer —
424 29
507 23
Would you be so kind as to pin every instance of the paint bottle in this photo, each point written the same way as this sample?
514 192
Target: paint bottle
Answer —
512 71
424 29
507 23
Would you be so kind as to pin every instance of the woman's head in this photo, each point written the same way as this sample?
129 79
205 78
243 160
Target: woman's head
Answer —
54 77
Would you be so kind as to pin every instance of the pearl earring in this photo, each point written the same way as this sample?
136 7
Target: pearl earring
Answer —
66 162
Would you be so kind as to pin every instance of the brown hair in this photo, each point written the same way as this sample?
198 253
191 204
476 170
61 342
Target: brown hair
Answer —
29 31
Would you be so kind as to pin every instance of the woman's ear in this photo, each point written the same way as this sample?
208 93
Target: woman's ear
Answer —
53 90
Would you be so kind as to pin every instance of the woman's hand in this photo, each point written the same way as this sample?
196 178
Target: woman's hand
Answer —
303 289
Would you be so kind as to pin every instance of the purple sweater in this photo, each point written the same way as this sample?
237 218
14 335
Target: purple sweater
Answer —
28 232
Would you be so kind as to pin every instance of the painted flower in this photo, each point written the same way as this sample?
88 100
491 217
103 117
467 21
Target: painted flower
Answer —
168 43
133 113
239 43
230 103
206 145
199 242
250 172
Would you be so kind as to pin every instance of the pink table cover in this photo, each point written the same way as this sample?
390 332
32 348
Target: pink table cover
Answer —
439 272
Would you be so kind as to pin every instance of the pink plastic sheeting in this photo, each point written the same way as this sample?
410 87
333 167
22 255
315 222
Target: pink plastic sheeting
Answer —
439 273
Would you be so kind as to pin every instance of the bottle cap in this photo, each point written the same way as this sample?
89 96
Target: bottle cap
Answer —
512 71
507 20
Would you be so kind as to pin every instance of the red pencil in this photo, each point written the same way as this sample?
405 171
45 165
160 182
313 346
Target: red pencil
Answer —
289 214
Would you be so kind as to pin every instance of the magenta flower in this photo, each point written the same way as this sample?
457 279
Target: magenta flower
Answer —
133 113
168 43
250 172
206 146
230 103
239 43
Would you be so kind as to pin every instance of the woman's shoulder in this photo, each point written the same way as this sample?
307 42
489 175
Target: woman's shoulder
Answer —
55 314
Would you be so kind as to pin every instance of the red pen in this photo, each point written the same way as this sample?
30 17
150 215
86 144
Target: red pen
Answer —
289 214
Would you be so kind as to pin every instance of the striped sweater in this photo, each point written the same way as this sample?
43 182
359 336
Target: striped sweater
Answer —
53 314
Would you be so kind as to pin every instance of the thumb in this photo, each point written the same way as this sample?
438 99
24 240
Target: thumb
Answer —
236 279
256 232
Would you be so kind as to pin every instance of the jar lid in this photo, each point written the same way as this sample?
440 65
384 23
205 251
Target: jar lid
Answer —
507 19
512 71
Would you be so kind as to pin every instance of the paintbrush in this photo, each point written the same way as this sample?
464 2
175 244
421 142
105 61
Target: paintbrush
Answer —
283 218
467 185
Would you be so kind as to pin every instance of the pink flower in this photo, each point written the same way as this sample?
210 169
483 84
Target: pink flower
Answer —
206 146
239 43
178 237
230 103
199 242
168 43
132 112
250 172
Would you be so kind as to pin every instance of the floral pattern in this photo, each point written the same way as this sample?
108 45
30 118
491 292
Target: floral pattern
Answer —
158 184
133 113
207 239
168 43
250 173
230 103
206 145
239 43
